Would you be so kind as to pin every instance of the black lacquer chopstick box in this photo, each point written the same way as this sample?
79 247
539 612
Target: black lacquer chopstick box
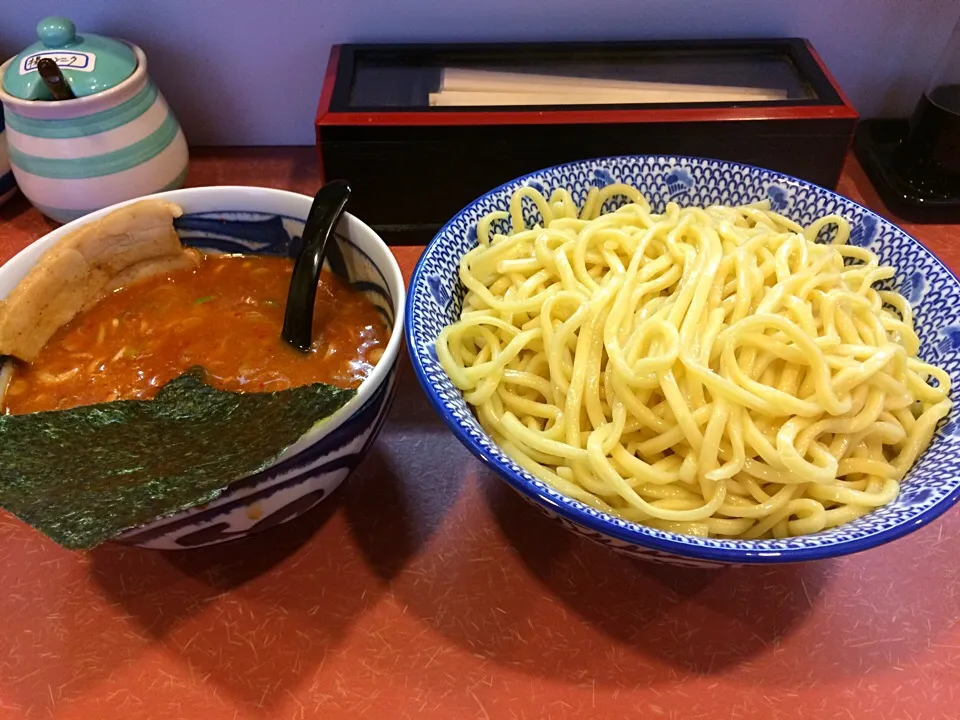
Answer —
421 130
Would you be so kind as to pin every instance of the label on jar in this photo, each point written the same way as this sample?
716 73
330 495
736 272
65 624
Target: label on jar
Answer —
65 59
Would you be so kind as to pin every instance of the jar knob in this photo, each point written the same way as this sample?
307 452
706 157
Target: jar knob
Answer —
56 31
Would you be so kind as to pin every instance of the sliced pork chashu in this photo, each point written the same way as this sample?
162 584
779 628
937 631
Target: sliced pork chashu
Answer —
130 244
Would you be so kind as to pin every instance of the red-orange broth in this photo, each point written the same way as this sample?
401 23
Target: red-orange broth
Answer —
225 316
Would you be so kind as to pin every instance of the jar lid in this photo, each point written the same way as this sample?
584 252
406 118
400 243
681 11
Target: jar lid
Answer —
89 63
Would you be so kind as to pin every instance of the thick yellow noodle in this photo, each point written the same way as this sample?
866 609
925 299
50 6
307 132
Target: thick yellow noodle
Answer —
714 372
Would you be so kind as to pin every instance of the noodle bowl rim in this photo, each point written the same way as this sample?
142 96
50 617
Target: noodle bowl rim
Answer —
594 521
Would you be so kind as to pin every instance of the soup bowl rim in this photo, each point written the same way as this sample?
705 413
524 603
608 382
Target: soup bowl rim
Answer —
188 198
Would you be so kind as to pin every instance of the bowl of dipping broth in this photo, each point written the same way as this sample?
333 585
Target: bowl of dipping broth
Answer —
694 361
224 313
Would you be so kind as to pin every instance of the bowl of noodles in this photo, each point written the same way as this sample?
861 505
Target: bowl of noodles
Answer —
113 309
695 361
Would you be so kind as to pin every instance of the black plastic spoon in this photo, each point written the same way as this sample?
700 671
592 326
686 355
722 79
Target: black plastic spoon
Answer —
328 205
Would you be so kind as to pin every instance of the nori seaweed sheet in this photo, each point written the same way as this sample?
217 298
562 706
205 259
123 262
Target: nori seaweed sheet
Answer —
84 475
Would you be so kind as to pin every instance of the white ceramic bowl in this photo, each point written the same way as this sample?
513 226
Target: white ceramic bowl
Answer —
265 221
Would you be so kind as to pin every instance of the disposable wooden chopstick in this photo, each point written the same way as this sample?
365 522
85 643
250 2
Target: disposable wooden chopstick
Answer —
447 98
467 80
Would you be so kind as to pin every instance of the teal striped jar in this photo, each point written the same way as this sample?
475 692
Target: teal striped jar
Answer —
8 186
71 157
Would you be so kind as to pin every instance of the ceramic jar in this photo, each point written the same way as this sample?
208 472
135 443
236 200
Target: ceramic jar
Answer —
116 140
8 185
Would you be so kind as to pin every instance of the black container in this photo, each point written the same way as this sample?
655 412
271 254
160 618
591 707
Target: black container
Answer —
915 164
930 155
413 165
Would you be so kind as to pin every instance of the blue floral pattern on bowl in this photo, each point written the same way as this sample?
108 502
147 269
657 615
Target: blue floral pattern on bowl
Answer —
679 182
779 198
930 488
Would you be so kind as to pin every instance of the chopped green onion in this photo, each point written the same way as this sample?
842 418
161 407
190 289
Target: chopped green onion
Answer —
200 301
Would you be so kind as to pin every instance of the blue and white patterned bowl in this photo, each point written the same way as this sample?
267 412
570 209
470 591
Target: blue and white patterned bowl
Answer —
270 222
930 489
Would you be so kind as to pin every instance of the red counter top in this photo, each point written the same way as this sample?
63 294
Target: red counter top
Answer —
425 588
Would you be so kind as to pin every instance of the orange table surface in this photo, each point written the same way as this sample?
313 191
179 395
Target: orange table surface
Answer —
425 588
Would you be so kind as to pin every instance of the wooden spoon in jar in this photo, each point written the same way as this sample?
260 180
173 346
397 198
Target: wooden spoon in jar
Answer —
328 205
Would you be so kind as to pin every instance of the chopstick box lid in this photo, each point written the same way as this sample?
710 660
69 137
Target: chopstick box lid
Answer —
89 63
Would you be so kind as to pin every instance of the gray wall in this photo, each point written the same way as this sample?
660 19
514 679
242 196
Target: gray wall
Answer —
250 71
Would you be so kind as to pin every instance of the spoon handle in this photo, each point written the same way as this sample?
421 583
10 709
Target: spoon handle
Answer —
53 78
328 205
